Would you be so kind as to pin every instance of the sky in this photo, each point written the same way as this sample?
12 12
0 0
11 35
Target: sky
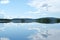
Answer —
29 8
32 9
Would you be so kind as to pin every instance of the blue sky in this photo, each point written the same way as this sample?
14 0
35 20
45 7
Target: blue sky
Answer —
29 8
16 8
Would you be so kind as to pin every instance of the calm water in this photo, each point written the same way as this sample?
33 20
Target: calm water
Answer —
23 31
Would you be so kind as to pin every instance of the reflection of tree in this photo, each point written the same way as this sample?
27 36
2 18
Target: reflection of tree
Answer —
43 20
58 20
22 20
5 20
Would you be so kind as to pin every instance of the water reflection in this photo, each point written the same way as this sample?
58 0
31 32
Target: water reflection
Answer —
29 31
4 38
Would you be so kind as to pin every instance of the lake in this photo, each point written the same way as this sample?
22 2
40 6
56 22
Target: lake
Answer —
29 31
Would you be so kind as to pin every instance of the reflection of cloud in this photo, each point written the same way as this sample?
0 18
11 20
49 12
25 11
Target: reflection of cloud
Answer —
53 34
39 35
4 1
35 37
37 29
3 38
2 29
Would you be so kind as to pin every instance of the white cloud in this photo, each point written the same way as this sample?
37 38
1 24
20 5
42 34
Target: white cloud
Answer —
4 38
4 14
4 1
54 5
9 16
